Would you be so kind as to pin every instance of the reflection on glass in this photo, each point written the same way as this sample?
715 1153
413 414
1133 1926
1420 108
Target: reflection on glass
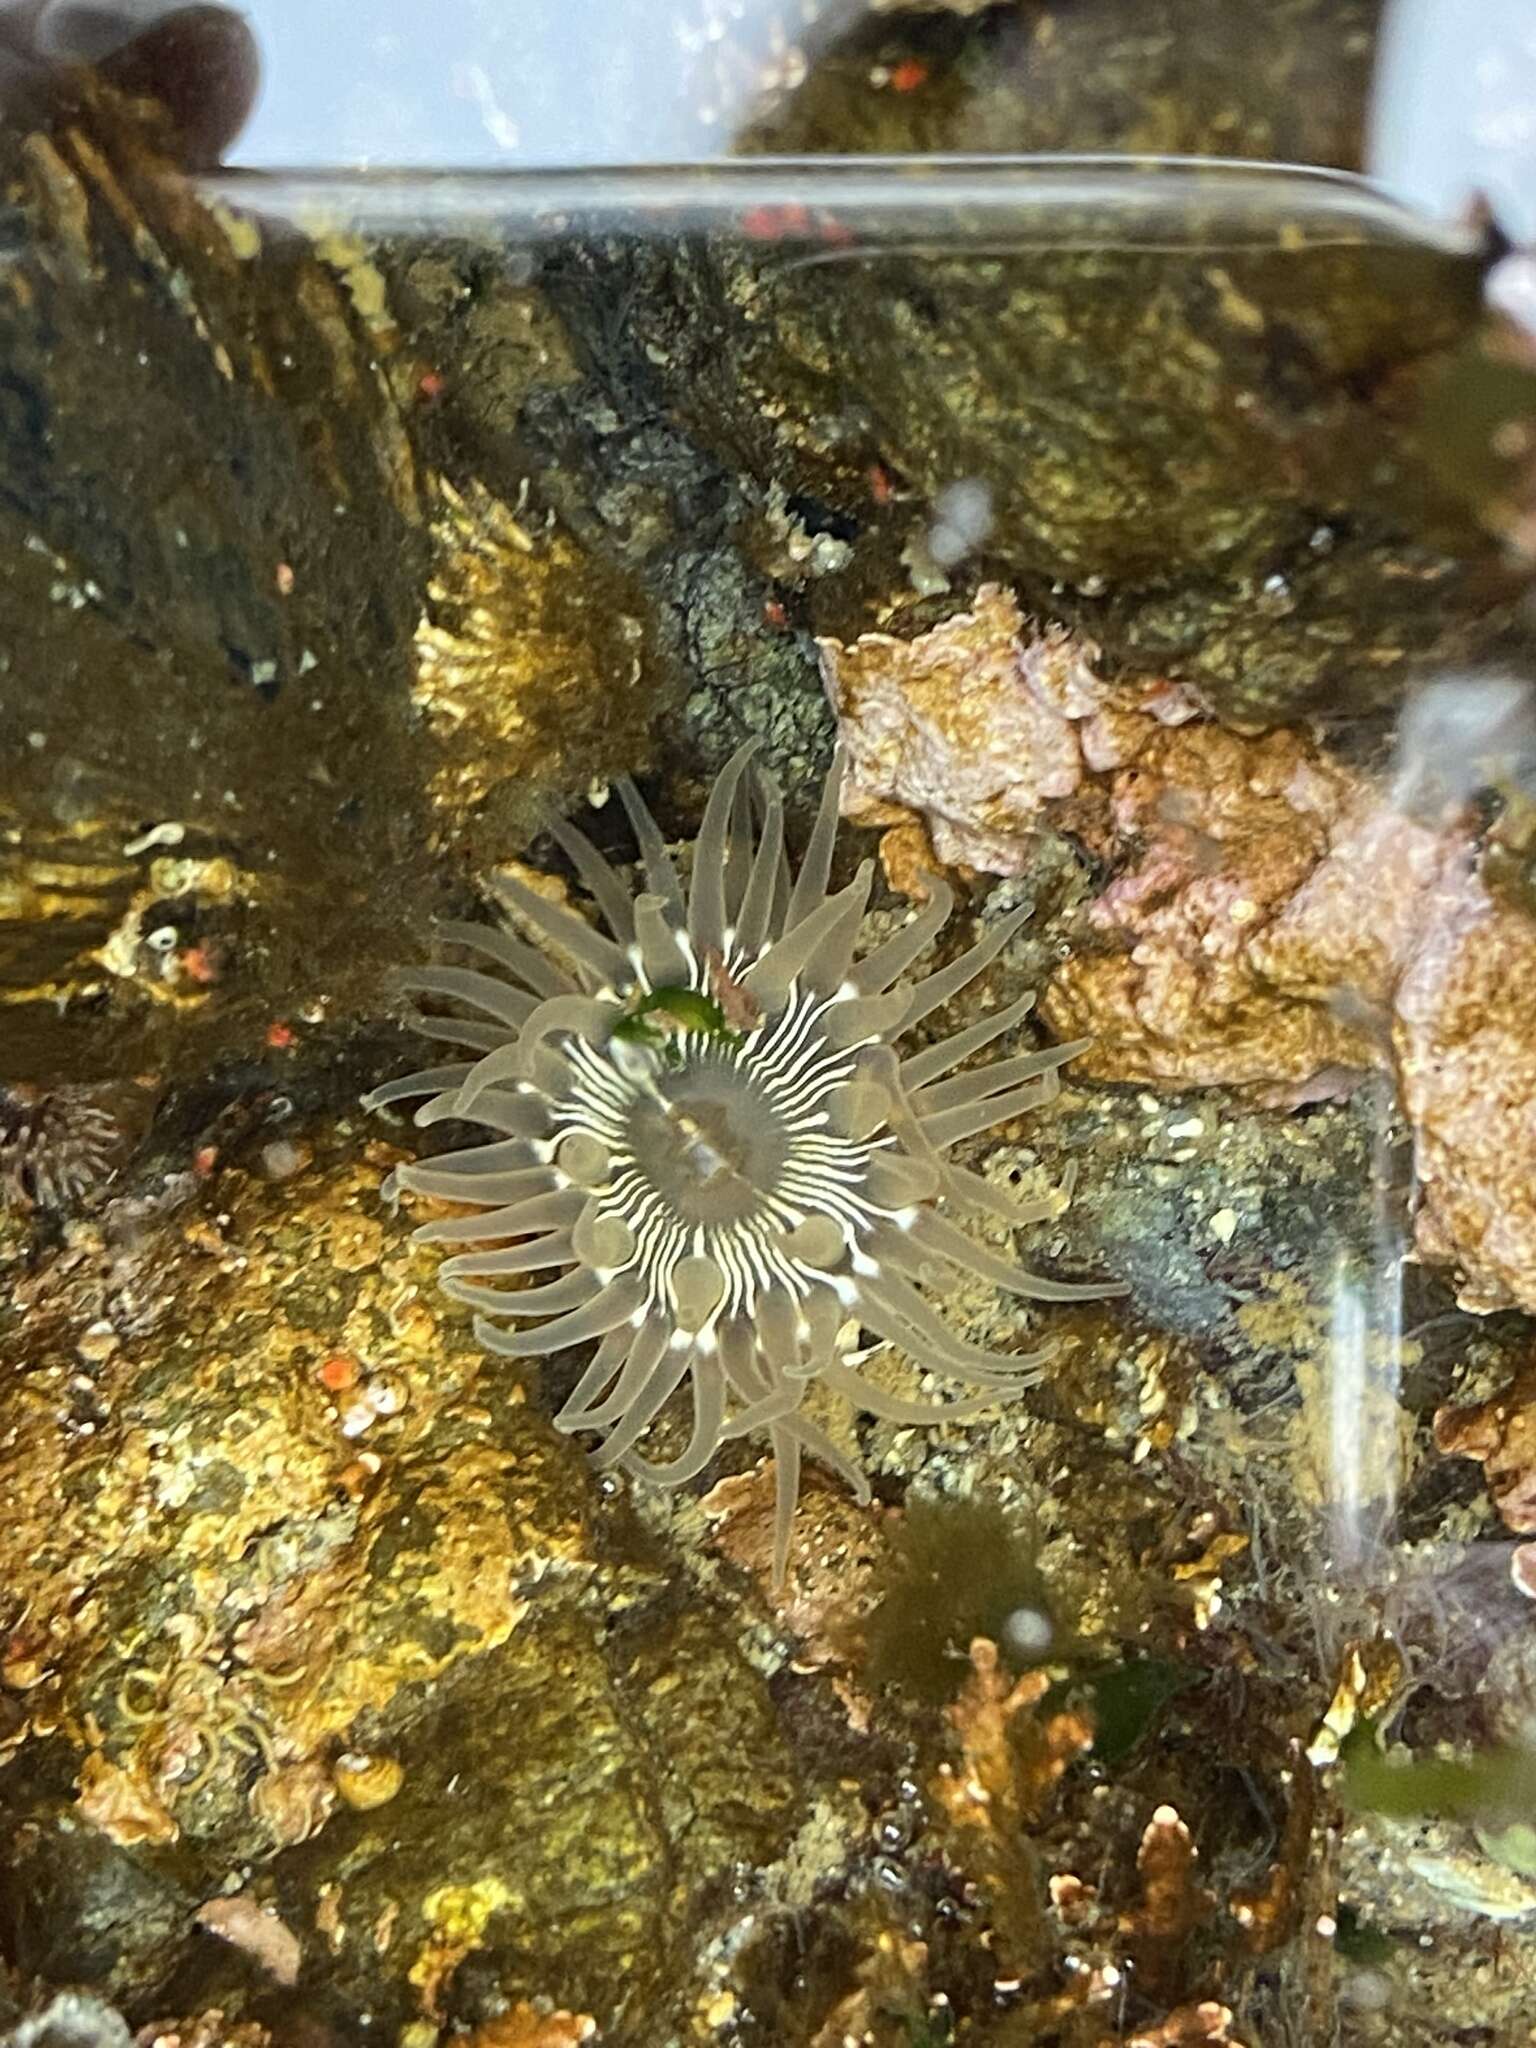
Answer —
475 575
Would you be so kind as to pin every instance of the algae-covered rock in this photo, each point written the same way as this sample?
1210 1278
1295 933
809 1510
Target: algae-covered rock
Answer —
520 1856
1185 77
288 1572
1204 456
558 1818
206 482
250 1496
76 1909
256 654
724 1779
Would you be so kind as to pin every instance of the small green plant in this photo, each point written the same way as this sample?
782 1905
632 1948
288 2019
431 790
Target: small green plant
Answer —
930 2030
1126 1700
1359 1941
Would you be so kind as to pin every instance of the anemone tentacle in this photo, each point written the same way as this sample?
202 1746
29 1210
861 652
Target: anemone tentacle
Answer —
702 1131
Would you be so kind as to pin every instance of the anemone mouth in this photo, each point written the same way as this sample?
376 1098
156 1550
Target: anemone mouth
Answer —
700 1123
725 1152
710 1143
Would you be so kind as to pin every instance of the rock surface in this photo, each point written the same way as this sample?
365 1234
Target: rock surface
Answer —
1269 916
337 1696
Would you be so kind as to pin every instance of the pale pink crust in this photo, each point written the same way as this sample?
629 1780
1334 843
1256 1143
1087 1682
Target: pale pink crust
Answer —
248 1925
1333 936
1321 943
1215 836
972 730
969 725
1272 919
1465 1034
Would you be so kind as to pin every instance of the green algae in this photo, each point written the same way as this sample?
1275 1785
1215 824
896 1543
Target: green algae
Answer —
655 1019
1125 1702
1490 1788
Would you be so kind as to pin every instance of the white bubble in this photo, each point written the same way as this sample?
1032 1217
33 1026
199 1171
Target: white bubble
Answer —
1028 1632
962 520
1462 733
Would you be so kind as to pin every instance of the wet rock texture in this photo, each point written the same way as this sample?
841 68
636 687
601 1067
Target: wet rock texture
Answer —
1269 916
221 543
1220 468
338 1700
293 1586
1176 76
147 577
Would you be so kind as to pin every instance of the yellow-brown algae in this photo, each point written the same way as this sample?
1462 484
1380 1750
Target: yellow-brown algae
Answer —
518 663
219 1444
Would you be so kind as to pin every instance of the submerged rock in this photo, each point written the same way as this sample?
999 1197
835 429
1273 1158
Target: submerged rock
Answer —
71 2020
1466 1049
1186 77
1269 914
280 651
547 1838
322 1656
287 1583
1206 459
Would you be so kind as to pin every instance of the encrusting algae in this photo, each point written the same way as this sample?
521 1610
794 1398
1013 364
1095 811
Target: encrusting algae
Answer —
699 1115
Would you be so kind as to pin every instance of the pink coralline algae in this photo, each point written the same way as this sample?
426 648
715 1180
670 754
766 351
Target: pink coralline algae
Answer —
1341 938
1465 1034
1233 946
971 728
1274 917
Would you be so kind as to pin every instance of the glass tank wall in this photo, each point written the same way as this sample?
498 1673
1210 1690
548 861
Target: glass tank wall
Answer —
767 1087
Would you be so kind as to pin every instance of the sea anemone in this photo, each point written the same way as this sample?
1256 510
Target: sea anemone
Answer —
56 1146
698 1114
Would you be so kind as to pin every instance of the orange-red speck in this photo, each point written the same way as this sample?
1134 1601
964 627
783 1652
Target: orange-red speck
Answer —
204 1160
908 75
774 613
882 486
280 1036
430 385
338 1372
198 964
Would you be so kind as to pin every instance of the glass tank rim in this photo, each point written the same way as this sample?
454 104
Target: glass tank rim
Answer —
1052 200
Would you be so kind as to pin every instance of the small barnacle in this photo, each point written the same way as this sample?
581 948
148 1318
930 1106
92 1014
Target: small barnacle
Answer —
700 1124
